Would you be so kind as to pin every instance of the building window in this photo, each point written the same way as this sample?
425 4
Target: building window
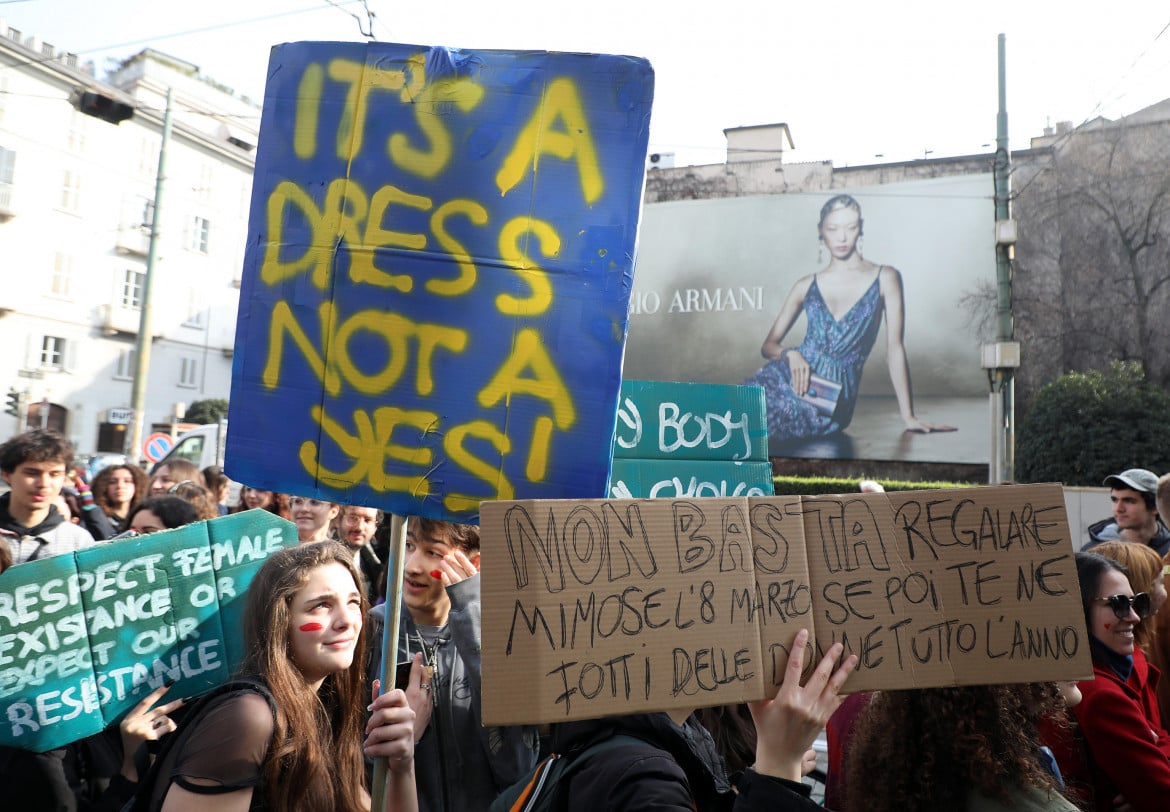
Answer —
71 191
7 172
194 309
7 165
77 132
132 282
147 212
53 352
125 368
189 373
62 278
200 234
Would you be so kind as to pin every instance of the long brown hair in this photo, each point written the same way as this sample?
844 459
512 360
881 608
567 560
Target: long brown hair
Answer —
178 469
101 486
927 749
734 732
200 498
315 759
278 504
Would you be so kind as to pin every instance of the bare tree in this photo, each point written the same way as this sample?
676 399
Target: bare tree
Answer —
1114 192
1092 268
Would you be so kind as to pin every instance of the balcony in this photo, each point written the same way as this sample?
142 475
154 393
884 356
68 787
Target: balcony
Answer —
117 318
134 240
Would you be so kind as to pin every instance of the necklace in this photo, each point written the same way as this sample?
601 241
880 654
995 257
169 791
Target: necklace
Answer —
430 664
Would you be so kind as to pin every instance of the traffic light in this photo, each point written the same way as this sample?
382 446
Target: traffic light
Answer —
101 106
13 407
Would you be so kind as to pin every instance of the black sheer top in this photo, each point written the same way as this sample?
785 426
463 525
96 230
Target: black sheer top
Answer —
222 750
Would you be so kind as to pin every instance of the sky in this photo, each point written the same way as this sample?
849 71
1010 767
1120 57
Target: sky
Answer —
857 81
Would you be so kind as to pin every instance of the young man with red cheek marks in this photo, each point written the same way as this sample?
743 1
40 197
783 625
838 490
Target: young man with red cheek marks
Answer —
459 763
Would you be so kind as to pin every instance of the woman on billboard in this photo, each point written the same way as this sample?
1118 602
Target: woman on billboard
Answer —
811 389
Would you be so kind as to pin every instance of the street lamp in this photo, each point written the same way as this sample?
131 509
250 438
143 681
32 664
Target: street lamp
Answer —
107 108
145 327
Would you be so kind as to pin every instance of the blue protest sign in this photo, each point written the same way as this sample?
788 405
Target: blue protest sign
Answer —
84 637
440 257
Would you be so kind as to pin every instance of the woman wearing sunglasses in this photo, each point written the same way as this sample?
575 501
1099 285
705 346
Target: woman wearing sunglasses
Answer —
1124 750
1143 570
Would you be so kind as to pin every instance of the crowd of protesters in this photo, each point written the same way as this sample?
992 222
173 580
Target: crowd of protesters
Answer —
297 729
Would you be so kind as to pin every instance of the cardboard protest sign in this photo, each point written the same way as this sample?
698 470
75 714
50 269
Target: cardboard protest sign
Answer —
440 257
952 587
84 637
688 440
598 607
602 606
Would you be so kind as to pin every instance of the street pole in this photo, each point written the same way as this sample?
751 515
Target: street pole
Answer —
145 328
1004 374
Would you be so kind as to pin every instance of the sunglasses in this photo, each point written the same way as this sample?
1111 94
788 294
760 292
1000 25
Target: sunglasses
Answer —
1121 604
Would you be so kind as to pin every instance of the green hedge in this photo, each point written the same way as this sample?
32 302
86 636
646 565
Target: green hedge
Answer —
1085 426
813 486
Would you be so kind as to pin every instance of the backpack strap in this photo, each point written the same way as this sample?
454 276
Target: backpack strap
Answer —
535 784
547 783
141 800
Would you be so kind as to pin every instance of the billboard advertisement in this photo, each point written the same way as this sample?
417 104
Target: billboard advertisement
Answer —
852 307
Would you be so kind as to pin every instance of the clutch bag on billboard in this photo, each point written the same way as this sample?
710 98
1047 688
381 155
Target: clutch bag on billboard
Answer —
823 394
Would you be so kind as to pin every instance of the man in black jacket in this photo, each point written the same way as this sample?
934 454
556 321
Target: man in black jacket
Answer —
356 527
1135 513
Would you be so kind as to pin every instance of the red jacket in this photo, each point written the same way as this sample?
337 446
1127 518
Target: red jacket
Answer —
1124 750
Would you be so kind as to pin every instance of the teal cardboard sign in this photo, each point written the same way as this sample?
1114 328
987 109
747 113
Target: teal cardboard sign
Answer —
686 440
436 287
688 479
690 421
83 637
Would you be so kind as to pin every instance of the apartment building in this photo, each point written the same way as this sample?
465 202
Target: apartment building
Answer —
77 200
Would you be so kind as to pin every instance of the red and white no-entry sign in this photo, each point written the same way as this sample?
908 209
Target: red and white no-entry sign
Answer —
156 446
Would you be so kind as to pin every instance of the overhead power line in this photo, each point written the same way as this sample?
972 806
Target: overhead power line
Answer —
188 32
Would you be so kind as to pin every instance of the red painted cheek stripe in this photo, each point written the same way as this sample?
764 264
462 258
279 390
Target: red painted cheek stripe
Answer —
1108 626
312 627
437 575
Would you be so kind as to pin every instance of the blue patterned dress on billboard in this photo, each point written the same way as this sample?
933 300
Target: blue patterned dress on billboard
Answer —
834 349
